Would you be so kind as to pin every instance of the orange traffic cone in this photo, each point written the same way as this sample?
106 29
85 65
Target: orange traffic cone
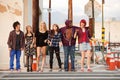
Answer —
117 62
108 57
34 65
112 65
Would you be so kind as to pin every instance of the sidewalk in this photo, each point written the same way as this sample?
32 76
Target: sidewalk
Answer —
95 67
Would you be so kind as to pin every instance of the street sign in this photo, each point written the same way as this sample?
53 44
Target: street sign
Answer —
88 9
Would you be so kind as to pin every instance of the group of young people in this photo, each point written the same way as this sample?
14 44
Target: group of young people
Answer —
36 44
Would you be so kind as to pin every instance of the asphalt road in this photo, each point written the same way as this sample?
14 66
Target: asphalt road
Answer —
60 76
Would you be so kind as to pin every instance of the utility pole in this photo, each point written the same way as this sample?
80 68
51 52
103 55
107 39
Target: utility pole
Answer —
103 29
93 19
109 33
49 15
35 15
70 14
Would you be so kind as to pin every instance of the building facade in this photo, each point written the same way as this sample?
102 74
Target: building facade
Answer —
11 11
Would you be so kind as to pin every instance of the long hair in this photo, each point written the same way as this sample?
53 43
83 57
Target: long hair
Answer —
44 27
27 30
52 33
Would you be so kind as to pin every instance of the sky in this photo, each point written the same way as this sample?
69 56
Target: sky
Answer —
111 8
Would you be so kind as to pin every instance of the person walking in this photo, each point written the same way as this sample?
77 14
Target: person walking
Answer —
16 43
69 42
84 43
54 41
41 44
29 47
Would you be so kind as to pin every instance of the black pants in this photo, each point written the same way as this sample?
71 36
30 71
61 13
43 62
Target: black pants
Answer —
29 62
57 52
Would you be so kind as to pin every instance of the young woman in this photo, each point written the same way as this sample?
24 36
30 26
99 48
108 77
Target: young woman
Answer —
85 48
54 40
41 44
29 47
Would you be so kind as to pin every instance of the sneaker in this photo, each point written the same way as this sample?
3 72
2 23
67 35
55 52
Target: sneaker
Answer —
73 70
18 70
66 70
89 70
11 70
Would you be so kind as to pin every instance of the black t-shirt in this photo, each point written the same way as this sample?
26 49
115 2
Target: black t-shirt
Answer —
17 42
40 38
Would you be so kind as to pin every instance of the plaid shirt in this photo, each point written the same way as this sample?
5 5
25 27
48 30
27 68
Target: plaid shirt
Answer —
55 39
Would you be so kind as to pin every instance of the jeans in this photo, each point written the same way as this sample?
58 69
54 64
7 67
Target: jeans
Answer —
12 54
69 51
57 52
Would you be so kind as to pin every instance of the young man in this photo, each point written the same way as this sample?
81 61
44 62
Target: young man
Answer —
69 42
16 44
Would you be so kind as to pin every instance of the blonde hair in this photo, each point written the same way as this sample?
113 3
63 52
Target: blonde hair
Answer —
27 30
28 27
44 27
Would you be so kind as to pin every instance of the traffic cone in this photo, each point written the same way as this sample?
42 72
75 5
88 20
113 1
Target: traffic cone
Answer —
34 65
112 65
117 62
108 57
